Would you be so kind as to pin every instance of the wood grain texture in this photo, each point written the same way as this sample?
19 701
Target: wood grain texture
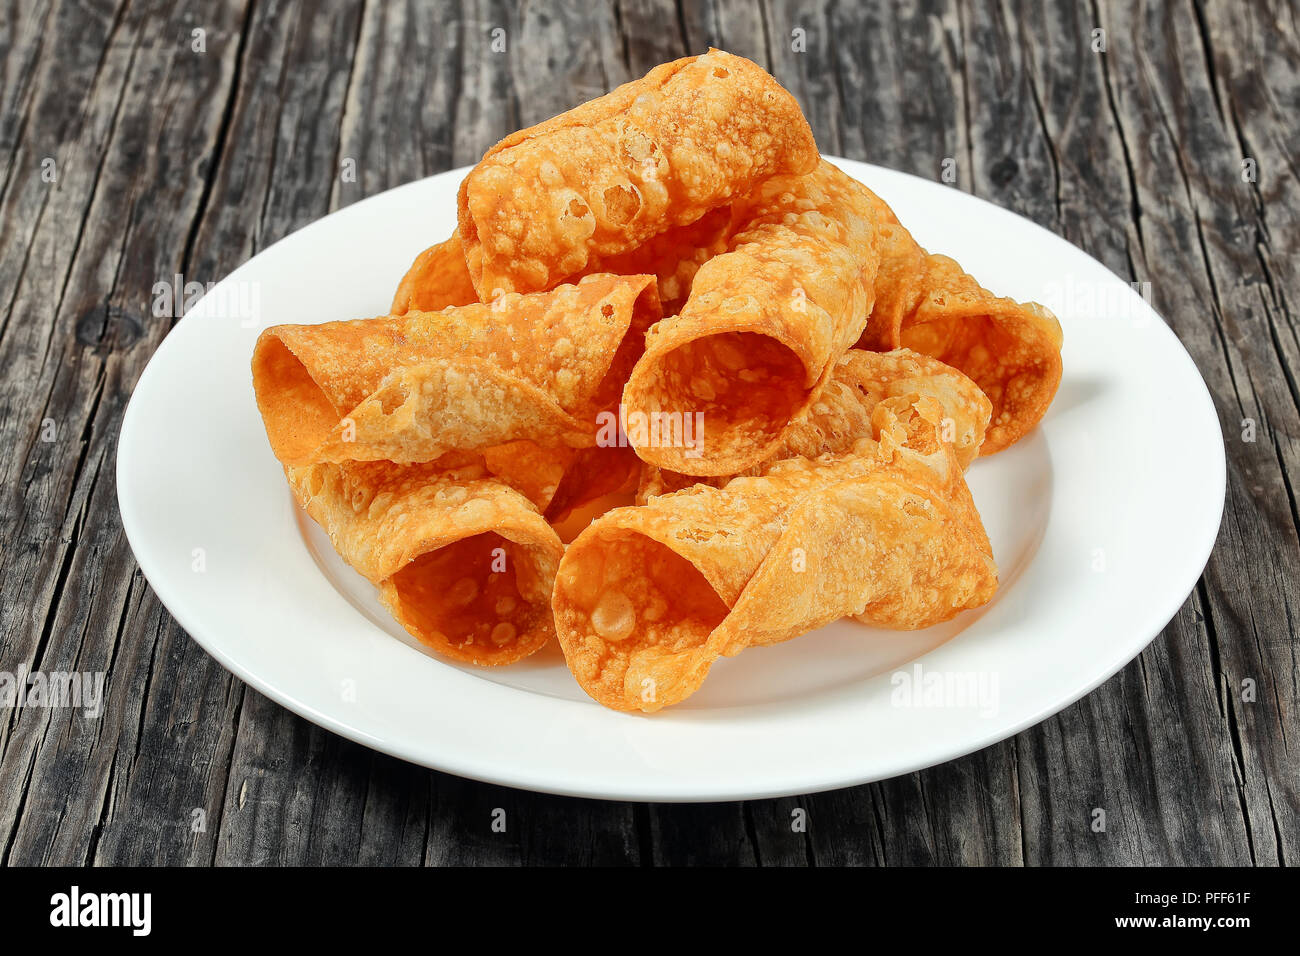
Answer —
172 160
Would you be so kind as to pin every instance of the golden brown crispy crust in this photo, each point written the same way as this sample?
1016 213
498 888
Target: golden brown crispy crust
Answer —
603 178
765 323
464 563
927 303
590 474
437 278
675 256
646 598
842 415
535 471
412 388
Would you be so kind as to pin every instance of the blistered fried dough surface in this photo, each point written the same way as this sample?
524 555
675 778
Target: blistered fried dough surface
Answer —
590 474
648 597
1012 350
601 179
465 565
535 471
674 257
411 388
957 414
438 278
842 414
900 375
765 323
927 303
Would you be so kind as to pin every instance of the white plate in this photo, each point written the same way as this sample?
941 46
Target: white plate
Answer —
1101 521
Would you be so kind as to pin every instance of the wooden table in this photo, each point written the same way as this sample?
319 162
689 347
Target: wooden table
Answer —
138 143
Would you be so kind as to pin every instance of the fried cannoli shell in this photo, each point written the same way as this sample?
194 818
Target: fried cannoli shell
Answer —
590 474
866 379
842 414
536 471
601 179
647 598
927 303
412 388
675 256
437 279
560 480
765 323
555 479
465 564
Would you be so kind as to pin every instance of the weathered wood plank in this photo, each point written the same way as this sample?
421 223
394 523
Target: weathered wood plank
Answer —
1186 193
105 88
170 160
1031 164
279 171
736 26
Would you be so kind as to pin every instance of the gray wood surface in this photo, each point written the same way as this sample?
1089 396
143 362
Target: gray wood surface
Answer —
170 160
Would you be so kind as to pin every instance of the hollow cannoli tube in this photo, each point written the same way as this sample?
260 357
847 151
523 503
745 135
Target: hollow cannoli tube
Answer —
412 388
464 564
648 597
927 303
765 323
601 179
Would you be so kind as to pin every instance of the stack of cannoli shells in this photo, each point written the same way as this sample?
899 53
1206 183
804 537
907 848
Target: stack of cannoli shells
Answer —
674 248
441 445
